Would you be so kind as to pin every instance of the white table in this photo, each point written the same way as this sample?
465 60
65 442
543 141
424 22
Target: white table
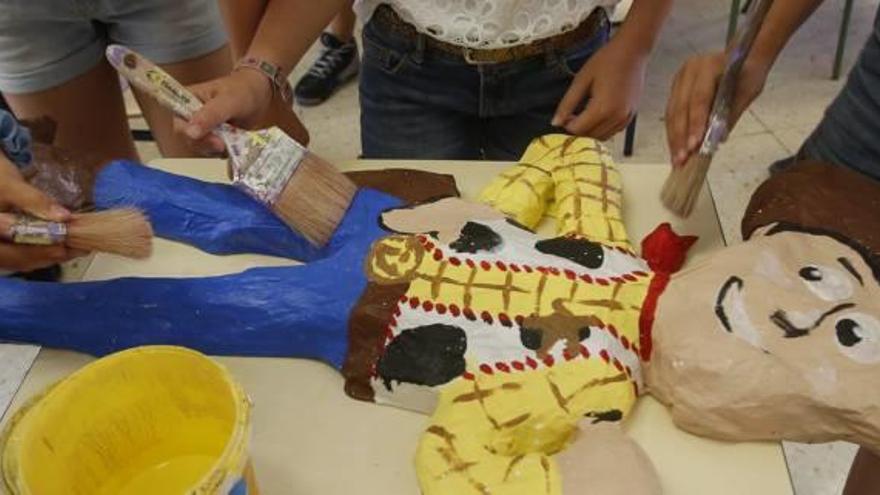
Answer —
310 438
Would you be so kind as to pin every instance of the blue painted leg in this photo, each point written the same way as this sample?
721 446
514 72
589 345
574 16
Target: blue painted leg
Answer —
299 311
219 218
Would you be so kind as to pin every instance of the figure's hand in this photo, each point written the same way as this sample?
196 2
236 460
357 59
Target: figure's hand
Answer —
16 194
243 98
612 79
692 95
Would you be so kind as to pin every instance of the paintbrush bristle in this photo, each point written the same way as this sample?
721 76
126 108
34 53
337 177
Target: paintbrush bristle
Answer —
124 231
683 186
315 199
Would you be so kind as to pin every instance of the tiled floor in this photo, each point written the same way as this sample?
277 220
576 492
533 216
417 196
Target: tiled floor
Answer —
793 101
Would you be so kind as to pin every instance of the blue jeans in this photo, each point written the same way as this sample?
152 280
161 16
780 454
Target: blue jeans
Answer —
849 133
419 103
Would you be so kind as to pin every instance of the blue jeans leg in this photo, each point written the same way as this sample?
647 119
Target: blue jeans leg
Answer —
412 107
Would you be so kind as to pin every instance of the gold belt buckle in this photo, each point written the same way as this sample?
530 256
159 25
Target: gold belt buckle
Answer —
469 58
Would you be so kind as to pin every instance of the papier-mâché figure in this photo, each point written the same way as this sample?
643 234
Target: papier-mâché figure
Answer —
528 351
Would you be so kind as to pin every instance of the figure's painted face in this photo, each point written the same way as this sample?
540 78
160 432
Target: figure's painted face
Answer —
778 337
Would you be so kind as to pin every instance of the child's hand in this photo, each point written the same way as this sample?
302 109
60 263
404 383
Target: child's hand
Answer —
612 79
243 98
692 94
16 194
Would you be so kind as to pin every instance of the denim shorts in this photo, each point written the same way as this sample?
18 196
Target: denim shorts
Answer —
44 43
419 103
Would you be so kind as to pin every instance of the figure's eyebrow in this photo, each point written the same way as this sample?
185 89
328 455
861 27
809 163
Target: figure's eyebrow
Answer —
851 269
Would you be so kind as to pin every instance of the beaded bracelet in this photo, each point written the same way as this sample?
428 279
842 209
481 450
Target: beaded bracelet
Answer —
273 72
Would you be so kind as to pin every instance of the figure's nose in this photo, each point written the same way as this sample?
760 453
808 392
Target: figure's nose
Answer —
782 320
800 323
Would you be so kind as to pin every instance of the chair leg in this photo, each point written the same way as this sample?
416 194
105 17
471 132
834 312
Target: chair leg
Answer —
734 15
841 40
629 138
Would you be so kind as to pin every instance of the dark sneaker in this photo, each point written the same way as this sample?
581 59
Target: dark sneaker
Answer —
337 63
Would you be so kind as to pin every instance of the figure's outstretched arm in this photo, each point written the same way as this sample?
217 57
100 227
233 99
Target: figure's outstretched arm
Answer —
523 191
298 311
573 179
599 459
220 219
589 192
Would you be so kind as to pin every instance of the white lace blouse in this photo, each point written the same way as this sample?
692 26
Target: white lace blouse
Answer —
489 23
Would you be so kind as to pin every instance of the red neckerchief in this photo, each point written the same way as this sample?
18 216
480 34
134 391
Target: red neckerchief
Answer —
665 252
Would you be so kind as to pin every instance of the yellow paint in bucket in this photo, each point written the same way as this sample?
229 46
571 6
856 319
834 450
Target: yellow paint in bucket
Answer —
149 420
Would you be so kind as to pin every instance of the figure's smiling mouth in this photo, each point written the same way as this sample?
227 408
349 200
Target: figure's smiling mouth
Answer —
730 309
720 310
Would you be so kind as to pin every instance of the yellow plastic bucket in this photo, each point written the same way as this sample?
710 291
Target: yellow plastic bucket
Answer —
149 420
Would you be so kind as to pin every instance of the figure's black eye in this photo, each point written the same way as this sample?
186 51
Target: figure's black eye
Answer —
810 274
848 332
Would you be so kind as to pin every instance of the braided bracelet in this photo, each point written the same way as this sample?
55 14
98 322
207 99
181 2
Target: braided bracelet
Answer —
276 77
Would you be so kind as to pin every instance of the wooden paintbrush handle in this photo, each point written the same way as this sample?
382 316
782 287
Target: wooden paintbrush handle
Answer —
150 78
23 229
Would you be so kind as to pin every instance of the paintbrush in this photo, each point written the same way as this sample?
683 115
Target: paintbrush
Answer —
306 192
124 231
683 186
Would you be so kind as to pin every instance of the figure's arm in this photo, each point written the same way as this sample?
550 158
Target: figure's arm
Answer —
693 90
523 191
575 177
589 193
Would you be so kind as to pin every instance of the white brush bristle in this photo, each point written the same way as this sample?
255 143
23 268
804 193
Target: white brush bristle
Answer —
124 231
683 186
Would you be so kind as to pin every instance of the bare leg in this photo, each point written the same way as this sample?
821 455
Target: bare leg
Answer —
242 20
864 475
343 24
215 64
89 112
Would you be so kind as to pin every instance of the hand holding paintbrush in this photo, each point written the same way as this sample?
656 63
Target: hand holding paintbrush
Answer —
125 232
41 233
682 188
306 192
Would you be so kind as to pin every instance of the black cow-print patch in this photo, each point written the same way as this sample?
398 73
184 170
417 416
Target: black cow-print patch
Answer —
531 338
476 237
429 355
581 251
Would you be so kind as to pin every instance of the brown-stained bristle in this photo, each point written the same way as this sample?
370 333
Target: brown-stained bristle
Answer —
683 186
315 199
124 231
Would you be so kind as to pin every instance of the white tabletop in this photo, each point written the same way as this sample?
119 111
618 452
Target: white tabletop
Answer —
310 438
